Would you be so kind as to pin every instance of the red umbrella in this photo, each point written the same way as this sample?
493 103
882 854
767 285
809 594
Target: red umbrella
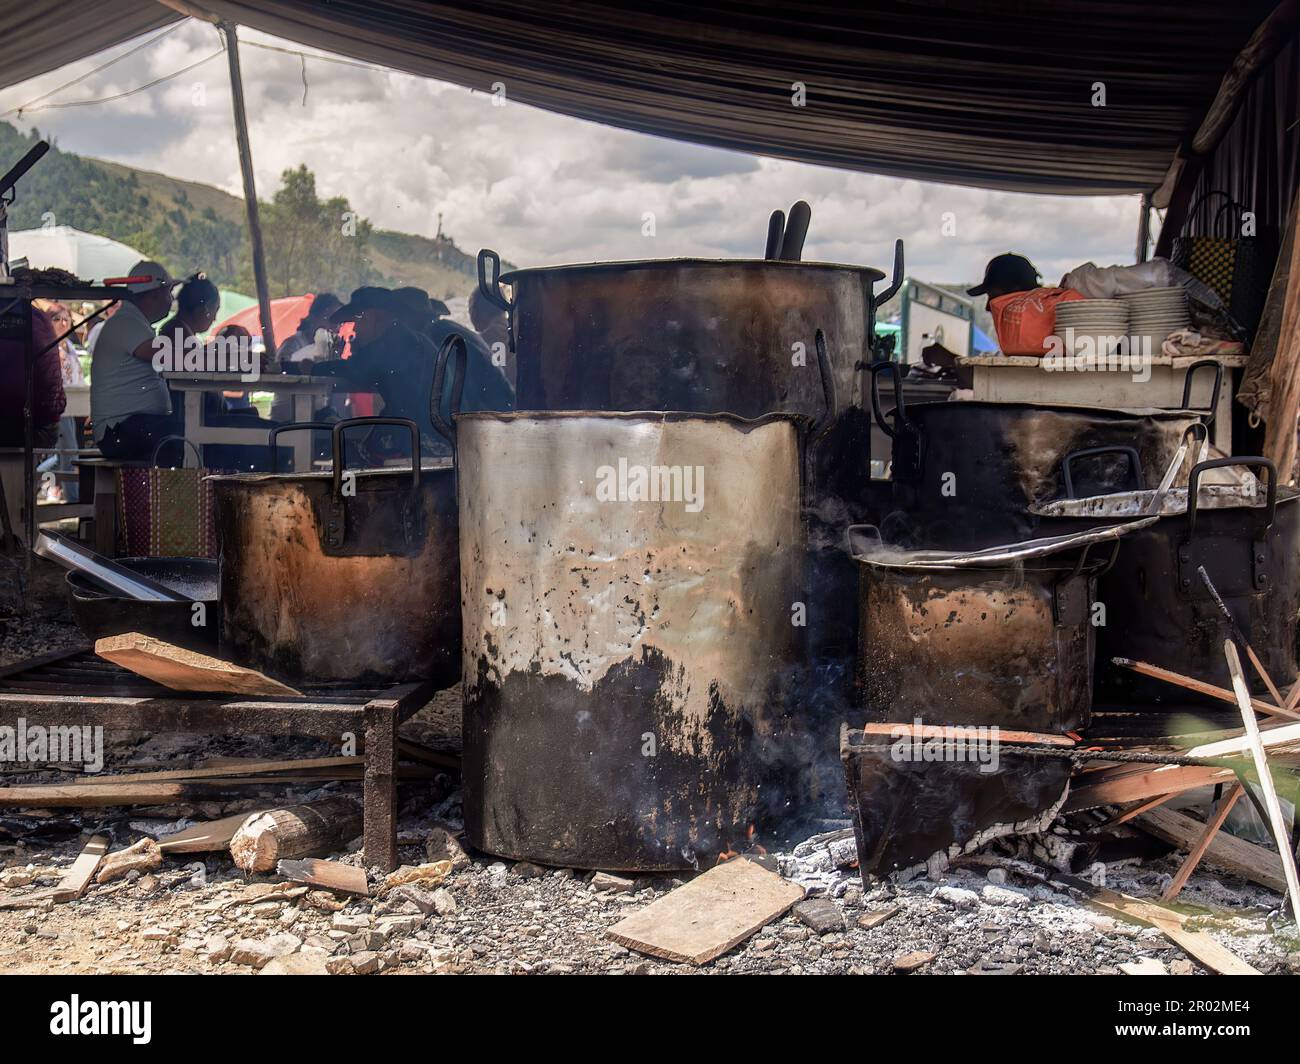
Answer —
286 313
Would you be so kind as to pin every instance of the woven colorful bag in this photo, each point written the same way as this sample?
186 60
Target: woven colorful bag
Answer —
165 513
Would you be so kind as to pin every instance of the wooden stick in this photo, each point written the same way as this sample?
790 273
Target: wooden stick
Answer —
1236 633
1202 844
1283 736
1137 810
1237 857
1276 819
1199 686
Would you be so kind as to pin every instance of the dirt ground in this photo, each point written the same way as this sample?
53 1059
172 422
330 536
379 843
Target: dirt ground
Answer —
198 914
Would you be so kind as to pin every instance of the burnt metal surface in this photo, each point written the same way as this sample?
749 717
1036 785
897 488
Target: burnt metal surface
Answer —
101 613
977 647
689 334
375 611
1157 610
905 811
1002 636
967 473
624 660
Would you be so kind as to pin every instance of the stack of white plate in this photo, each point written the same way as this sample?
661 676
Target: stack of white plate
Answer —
1156 312
1097 324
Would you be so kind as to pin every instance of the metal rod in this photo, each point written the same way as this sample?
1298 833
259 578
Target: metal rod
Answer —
229 32
1144 229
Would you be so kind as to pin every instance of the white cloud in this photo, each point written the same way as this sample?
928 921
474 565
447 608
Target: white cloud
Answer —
540 188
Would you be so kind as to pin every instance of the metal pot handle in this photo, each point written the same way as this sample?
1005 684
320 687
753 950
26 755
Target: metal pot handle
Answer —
1250 462
827 379
1134 465
859 541
446 428
1214 395
900 411
897 281
336 446
491 287
153 459
290 427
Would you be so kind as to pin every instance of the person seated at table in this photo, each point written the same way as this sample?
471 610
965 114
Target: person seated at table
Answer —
48 399
130 406
396 361
314 339
486 387
69 435
197 304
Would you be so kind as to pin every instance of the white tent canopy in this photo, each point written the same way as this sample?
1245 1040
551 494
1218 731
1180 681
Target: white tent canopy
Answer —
90 256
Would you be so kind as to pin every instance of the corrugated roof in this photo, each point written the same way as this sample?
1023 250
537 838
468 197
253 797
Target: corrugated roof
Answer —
1066 96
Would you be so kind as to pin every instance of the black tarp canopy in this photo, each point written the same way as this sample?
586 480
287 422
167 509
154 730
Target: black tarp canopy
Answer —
995 93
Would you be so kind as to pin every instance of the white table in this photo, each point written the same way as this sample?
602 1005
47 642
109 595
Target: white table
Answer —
308 394
1023 379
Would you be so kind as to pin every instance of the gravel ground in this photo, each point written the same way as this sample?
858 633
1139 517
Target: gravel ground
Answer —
198 914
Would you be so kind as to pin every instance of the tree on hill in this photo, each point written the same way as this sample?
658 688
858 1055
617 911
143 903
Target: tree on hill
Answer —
311 244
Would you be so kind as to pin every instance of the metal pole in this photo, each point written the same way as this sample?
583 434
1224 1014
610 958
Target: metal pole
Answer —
229 32
1144 229
29 434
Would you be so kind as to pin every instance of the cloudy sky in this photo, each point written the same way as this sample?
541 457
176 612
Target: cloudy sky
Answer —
540 188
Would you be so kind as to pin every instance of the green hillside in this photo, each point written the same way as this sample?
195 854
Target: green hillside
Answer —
189 226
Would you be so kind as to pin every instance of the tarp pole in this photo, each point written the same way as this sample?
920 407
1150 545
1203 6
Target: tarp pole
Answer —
229 32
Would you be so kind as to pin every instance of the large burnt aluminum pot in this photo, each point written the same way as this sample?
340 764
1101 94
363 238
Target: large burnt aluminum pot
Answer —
1159 611
703 335
1001 636
345 575
628 581
967 473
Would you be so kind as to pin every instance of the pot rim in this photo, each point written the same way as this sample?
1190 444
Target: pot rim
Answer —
427 465
1157 412
997 557
870 272
661 416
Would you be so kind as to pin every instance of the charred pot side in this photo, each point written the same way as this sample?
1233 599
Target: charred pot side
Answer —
627 586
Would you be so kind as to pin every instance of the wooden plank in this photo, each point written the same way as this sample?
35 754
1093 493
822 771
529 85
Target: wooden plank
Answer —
1138 810
1138 786
234 768
709 915
1198 848
78 877
186 670
1284 736
940 731
329 875
1225 852
1281 833
1200 686
208 837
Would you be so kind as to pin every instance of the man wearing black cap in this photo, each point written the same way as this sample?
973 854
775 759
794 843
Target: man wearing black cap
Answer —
1005 274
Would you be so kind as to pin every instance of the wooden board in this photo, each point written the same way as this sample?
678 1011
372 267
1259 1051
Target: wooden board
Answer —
204 838
74 883
329 875
1226 852
1117 788
709 915
1284 736
187 670
1143 966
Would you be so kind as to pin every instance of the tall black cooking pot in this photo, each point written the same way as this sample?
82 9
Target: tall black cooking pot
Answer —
966 474
1159 611
699 335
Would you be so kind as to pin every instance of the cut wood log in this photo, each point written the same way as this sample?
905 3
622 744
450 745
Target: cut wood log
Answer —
329 875
187 670
709 915
142 856
1198 848
1201 687
1281 834
209 837
308 830
1225 852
